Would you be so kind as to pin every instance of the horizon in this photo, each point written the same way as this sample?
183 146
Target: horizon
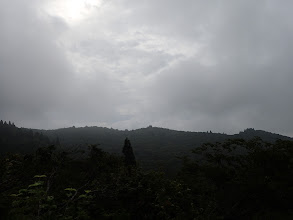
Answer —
149 126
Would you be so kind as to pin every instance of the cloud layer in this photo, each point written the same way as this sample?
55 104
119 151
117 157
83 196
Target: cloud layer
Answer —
189 65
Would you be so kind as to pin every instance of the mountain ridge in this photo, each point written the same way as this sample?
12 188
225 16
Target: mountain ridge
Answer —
152 146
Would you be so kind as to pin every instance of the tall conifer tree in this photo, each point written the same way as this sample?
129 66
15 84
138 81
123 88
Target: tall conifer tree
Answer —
129 158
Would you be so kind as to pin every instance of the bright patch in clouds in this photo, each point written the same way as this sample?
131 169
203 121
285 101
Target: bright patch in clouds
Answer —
72 11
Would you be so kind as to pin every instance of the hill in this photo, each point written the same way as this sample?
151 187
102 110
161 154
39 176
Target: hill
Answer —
154 147
21 140
219 183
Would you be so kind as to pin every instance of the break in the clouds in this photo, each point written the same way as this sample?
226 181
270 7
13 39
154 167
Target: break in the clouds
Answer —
190 65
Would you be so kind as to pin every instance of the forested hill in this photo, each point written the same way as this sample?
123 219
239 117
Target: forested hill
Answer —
233 179
150 137
20 140
153 146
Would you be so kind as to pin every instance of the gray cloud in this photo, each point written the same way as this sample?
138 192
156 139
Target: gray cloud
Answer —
190 65
33 71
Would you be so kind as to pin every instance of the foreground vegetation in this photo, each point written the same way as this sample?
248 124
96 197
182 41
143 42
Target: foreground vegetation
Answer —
235 179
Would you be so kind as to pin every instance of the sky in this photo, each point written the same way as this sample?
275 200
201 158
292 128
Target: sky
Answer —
192 65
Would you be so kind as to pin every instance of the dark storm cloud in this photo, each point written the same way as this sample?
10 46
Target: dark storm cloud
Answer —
190 65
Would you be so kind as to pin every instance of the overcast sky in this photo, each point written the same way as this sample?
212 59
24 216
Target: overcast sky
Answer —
197 65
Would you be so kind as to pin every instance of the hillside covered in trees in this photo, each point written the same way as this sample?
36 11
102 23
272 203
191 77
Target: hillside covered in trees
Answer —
14 139
235 179
154 148
101 173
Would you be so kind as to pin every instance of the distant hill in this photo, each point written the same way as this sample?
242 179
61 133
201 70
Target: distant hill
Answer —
153 146
21 140
265 135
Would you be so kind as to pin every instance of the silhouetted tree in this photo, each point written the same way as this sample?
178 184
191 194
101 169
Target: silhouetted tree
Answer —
57 142
129 158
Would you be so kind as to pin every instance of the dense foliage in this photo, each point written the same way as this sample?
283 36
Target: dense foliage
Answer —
14 139
241 179
53 185
246 178
236 179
